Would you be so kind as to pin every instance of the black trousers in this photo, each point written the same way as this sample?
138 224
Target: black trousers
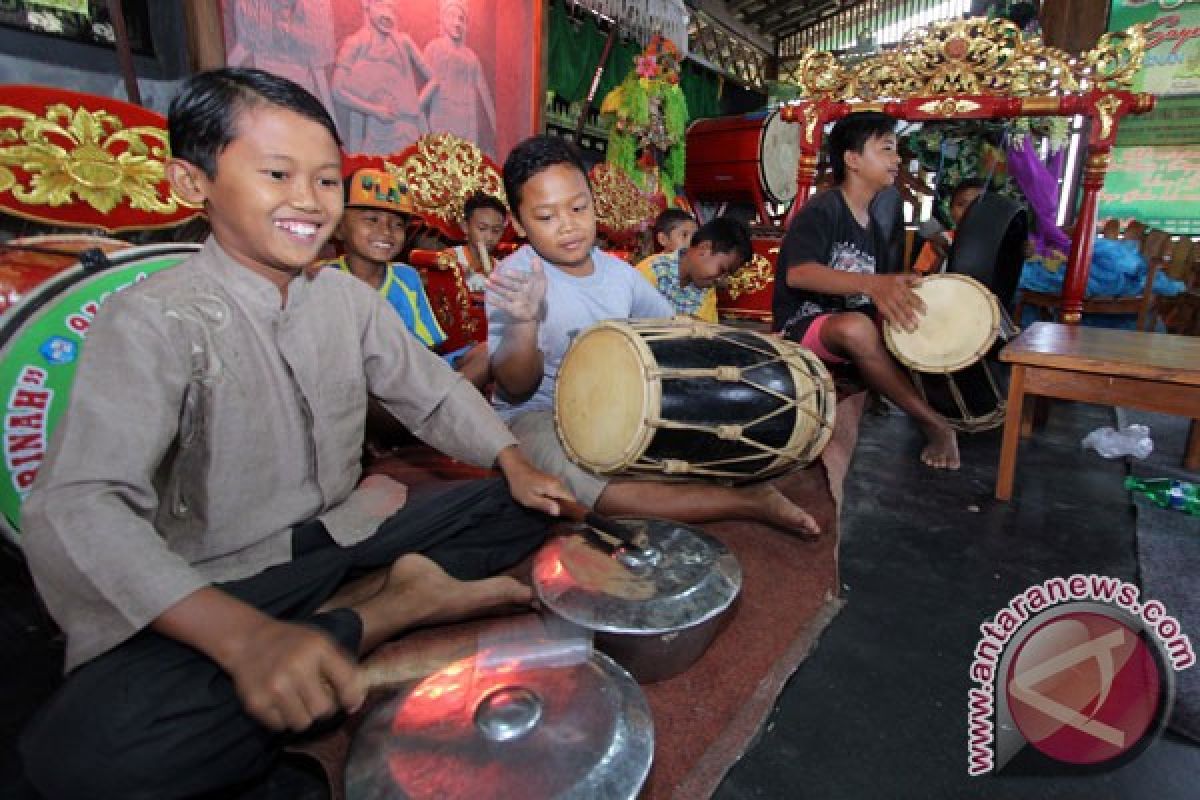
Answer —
155 719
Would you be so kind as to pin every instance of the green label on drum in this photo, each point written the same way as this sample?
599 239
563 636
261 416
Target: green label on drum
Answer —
37 368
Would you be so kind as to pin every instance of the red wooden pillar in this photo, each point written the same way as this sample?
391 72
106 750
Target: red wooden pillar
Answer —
1105 108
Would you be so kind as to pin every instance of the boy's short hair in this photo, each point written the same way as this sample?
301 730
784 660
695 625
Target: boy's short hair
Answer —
851 134
533 155
376 188
481 200
203 116
670 219
966 184
727 235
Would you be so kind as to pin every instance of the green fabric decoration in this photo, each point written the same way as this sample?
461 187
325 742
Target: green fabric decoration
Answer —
649 118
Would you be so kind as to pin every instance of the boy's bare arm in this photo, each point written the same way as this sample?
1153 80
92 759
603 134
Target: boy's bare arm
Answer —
891 294
287 675
517 363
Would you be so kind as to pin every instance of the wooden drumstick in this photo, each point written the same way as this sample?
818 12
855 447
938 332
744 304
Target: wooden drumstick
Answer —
612 532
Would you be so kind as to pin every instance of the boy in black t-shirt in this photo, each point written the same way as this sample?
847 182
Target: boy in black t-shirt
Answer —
830 286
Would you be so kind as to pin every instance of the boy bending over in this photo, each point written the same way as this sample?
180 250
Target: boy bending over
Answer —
688 277
553 287
195 528
829 290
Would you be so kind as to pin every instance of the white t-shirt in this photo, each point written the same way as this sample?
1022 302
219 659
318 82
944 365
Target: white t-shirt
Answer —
614 290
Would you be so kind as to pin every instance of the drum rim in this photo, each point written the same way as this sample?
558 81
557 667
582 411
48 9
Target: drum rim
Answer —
889 330
767 188
828 403
651 399
32 307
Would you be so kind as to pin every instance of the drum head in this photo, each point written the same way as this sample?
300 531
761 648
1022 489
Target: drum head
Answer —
961 321
779 156
40 342
603 399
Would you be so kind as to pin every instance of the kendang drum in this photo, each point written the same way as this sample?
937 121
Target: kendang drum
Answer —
750 158
40 342
686 399
948 354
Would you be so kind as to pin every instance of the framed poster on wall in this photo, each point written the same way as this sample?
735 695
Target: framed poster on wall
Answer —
392 71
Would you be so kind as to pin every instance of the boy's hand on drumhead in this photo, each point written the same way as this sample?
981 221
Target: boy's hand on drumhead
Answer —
289 676
518 293
893 295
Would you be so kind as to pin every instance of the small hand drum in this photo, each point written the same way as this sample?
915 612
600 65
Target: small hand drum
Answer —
948 353
686 399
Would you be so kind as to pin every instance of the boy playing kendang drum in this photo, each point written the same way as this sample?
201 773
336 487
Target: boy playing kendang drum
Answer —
829 289
196 529
553 287
688 276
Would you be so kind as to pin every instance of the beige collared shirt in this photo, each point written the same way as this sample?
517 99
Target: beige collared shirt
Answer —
206 421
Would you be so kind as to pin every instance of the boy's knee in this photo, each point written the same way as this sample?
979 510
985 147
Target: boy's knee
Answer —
855 334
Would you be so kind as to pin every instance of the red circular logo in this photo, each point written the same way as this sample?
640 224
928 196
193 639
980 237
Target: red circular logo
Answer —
1084 688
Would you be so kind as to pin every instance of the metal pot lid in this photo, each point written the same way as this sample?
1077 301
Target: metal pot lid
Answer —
579 732
682 578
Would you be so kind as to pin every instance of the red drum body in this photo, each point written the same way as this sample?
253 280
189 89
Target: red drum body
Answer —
747 293
750 158
26 263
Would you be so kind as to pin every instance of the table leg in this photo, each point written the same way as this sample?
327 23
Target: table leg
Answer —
1013 417
1191 456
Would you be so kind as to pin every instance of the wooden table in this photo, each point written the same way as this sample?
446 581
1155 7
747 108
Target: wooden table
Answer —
1150 371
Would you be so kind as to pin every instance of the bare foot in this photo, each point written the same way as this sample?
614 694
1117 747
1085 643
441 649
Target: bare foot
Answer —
416 591
941 452
773 508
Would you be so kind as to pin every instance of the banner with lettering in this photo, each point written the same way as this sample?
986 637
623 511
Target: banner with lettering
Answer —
1160 186
1172 65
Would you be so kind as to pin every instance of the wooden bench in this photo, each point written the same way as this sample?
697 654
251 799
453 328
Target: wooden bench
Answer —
1149 371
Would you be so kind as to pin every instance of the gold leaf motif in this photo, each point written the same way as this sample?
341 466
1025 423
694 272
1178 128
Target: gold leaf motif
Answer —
1107 108
948 106
976 56
621 207
756 275
89 155
444 171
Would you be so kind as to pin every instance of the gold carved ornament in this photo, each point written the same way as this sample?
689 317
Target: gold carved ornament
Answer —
621 207
447 261
976 56
442 171
83 154
753 277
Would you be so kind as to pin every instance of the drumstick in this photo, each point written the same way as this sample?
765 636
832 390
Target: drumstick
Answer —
529 642
608 529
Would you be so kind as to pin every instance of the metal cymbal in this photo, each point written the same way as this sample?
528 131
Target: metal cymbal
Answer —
654 609
479 730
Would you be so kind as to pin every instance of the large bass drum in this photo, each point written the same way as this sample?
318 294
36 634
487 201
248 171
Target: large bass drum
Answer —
686 400
750 158
40 341
28 262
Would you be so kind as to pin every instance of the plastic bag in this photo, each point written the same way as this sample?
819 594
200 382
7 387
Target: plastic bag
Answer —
1132 440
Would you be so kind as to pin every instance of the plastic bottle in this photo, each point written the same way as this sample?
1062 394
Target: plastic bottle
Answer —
1132 440
1167 493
